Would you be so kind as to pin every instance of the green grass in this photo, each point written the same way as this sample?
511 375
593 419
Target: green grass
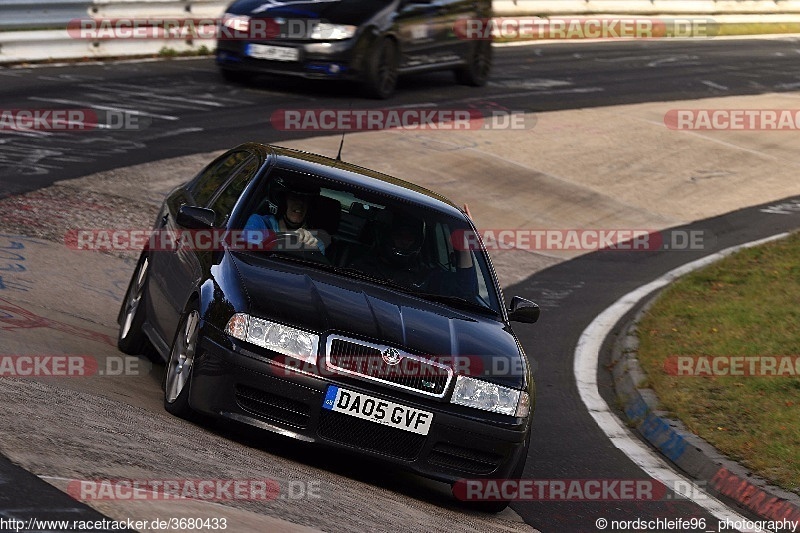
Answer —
171 52
747 304
758 28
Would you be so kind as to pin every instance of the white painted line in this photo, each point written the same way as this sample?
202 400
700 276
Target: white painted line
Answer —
150 95
173 133
530 84
25 133
103 107
587 354
626 58
714 85
103 62
674 61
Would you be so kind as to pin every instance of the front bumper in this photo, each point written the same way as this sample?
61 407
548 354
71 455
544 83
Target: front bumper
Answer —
246 387
317 60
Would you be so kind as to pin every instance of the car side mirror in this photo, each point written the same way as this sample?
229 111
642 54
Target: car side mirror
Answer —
523 310
191 217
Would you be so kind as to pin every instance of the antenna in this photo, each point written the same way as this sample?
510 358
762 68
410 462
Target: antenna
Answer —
341 144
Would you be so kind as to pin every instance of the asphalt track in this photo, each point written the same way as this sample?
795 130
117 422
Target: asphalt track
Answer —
187 109
190 107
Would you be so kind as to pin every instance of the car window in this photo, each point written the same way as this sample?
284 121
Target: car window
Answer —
448 259
224 202
372 235
214 176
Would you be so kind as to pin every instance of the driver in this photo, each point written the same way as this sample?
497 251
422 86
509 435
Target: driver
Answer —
288 205
397 255
398 259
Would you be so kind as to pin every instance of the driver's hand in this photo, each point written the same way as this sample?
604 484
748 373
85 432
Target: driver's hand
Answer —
308 240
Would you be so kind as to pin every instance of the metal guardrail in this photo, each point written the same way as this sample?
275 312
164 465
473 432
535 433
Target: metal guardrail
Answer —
30 14
45 21
55 14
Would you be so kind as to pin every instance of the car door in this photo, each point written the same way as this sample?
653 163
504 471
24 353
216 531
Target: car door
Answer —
420 29
171 261
452 13
191 263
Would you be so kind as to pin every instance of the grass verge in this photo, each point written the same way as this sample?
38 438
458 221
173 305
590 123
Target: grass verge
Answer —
744 305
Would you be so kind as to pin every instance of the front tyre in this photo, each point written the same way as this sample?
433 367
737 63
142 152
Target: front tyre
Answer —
479 65
181 361
382 70
131 339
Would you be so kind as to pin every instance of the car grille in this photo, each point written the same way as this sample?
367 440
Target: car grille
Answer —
273 407
365 360
463 459
366 435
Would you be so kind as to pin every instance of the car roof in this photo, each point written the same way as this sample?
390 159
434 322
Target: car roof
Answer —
355 175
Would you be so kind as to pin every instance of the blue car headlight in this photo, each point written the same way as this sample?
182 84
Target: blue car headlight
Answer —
238 23
280 338
487 396
323 31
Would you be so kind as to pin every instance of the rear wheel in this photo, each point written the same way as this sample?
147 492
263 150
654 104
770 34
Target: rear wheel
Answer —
181 362
131 338
479 65
382 70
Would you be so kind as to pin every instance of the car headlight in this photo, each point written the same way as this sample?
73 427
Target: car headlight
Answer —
487 396
333 32
240 23
286 340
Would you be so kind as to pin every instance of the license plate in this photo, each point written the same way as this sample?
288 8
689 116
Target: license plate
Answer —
376 410
274 53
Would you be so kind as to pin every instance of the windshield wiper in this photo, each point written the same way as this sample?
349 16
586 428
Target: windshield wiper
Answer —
375 279
441 298
456 300
297 258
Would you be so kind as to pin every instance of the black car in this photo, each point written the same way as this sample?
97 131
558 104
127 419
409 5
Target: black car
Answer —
371 41
333 304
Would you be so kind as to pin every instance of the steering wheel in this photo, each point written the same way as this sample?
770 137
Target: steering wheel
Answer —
289 241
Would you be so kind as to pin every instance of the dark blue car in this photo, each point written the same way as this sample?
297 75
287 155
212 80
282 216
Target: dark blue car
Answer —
333 304
371 41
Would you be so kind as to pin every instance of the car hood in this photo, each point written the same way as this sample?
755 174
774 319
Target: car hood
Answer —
325 302
353 12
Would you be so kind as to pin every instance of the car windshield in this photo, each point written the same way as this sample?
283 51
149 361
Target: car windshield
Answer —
371 236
